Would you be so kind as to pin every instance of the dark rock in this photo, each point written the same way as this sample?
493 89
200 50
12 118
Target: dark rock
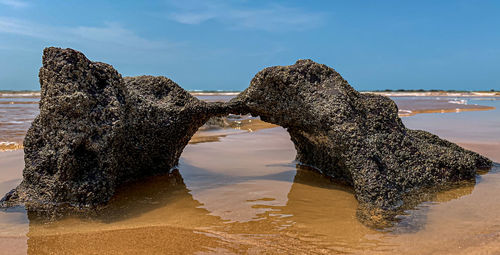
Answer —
357 138
97 131
216 123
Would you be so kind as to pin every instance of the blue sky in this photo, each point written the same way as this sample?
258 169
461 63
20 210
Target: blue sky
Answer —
214 44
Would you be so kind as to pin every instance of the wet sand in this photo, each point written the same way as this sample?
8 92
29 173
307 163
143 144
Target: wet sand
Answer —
490 150
141 240
12 163
255 199
239 190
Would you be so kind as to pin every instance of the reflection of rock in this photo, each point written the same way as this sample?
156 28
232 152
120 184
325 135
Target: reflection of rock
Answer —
156 197
96 131
327 209
414 220
150 194
254 174
358 138
152 216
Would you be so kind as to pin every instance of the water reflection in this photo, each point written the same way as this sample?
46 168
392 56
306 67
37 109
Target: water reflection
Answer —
160 214
306 213
157 215
255 199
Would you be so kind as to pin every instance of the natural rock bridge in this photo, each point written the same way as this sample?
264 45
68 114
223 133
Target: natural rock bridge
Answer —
97 131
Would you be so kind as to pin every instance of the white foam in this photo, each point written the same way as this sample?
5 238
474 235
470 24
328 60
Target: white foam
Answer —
32 94
404 111
456 101
13 122
8 143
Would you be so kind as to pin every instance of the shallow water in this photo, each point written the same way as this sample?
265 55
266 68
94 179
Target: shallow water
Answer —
410 106
244 193
17 110
16 114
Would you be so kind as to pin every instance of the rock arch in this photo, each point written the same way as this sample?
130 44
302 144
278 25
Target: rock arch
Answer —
97 131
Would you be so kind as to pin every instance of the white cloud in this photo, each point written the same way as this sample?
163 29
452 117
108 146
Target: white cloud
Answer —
114 33
14 3
19 27
270 17
110 33
192 18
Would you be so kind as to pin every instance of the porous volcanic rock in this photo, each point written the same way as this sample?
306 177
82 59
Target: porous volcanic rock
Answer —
353 137
97 130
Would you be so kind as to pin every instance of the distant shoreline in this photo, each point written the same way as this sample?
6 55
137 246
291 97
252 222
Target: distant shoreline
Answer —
435 93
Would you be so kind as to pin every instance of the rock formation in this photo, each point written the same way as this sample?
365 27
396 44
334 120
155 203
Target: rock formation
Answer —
97 131
357 138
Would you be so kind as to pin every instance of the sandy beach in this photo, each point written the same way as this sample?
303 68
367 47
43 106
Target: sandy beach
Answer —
239 190
249 127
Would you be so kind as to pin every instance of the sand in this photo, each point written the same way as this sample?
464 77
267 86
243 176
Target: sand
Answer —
12 163
490 150
240 195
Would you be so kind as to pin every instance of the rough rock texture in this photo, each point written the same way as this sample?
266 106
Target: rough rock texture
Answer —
97 130
355 137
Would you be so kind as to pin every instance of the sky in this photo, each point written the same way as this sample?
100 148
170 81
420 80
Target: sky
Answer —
221 45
